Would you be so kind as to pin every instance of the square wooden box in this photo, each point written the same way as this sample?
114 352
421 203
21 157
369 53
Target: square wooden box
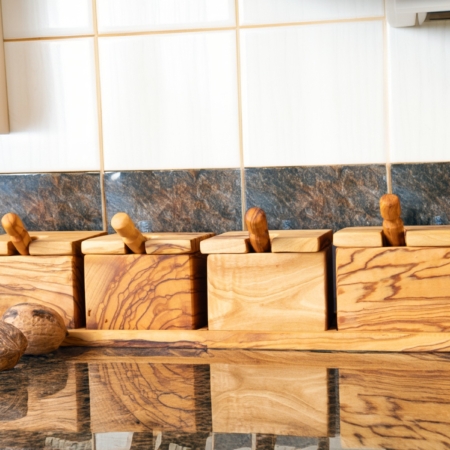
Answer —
393 288
164 289
52 275
285 290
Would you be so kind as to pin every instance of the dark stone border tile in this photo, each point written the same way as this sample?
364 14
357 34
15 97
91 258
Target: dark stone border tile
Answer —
53 201
317 197
424 191
182 200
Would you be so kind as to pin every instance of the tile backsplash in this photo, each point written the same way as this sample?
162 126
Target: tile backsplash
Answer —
184 113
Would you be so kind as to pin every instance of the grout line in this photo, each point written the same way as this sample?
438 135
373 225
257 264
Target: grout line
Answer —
386 98
193 30
100 116
241 138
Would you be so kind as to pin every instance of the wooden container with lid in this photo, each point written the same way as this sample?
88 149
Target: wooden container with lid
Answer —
402 288
144 281
48 270
284 288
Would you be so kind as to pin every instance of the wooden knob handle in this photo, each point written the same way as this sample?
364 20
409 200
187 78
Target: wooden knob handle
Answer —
255 219
393 228
130 235
18 233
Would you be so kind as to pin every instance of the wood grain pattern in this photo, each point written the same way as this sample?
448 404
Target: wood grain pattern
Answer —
359 237
17 232
6 246
256 223
230 242
54 243
145 291
268 292
142 397
53 281
393 227
332 340
300 241
269 399
156 244
428 236
395 409
393 289
58 411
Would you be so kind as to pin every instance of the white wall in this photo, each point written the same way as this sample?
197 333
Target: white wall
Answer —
99 85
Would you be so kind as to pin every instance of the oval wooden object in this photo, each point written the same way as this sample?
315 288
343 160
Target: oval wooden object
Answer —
393 228
18 233
43 327
13 344
255 219
131 236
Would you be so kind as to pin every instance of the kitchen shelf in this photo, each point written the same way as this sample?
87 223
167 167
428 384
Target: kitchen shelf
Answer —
331 340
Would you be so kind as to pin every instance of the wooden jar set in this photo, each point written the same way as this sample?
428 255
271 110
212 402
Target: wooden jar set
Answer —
387 278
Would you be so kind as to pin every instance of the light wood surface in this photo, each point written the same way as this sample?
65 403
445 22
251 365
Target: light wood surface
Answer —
156 244
174 243
278 400
409 361
358 237
139 292
394 409
52 281
48 243
142 397
230 242
393 289
131 236
282 241
428 236
256 222
393 228
268 292
56 412
17 232
300 241
332 340
6 246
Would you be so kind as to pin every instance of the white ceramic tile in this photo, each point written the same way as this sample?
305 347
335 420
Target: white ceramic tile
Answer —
313 94
169 101
115 16
46 18
419 61
52 107
253 12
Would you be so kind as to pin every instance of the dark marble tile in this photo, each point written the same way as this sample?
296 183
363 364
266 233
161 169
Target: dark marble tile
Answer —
182 200
53 201
232 441
265 441
424 191
297 442
317 197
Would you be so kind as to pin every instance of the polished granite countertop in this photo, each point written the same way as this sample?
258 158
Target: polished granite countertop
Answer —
173 399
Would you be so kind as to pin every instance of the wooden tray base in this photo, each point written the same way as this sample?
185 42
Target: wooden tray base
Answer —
331 340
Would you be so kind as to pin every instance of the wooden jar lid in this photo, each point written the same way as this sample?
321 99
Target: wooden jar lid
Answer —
282 241
155 244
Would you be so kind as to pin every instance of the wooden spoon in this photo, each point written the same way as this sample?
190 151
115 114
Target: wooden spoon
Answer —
255 219
393 228
131 236
17 232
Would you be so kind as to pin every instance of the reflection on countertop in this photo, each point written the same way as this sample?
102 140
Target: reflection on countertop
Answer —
169 399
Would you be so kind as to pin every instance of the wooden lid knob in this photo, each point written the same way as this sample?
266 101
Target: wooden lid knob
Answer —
18 233
390 207
256 221
131 236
